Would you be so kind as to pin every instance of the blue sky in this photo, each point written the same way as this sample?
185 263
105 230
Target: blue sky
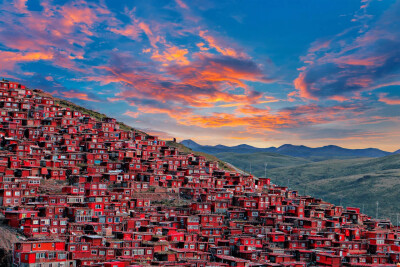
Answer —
265 73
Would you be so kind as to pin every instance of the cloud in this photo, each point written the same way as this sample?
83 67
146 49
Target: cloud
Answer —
214 43
181 4
131 114
231 71
347 65
203 82
130 31
58 31
263 120
390 101
9 59
76 95
172 54
20 5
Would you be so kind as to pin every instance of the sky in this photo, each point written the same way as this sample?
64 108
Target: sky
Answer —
264 73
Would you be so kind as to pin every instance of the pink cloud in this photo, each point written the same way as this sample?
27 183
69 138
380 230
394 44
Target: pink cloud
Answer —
75 94
131 114
181 4
390 101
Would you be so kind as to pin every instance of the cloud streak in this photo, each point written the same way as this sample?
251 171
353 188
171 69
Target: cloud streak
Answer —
348 64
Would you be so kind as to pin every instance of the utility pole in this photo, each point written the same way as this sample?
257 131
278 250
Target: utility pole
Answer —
250 167
377 209
265 169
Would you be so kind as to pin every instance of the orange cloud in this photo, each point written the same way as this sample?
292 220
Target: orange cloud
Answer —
9 59
172 54
339 98
202 47
212 42
301 85
261 120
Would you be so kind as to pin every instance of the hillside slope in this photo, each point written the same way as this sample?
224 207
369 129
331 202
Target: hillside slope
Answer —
354 182
259 160
209 157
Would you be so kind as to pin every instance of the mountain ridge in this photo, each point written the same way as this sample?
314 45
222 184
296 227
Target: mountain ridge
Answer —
317 154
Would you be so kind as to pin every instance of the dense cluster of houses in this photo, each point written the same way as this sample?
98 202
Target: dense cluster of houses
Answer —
98 217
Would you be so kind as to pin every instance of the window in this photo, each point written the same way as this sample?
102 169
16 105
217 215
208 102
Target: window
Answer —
41 255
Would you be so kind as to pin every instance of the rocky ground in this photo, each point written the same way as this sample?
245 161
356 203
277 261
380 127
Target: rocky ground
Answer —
8 236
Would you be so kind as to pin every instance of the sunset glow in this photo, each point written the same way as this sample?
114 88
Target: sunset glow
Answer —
263 73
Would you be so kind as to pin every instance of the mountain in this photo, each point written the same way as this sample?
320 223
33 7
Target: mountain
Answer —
352 182
221 148
314 154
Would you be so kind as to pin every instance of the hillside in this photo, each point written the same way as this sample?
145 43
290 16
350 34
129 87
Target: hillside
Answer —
209 157
70 174
123 126
354 182
314 154
97 115
258 161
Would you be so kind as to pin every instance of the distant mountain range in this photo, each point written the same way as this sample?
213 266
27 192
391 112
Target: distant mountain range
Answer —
314 154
